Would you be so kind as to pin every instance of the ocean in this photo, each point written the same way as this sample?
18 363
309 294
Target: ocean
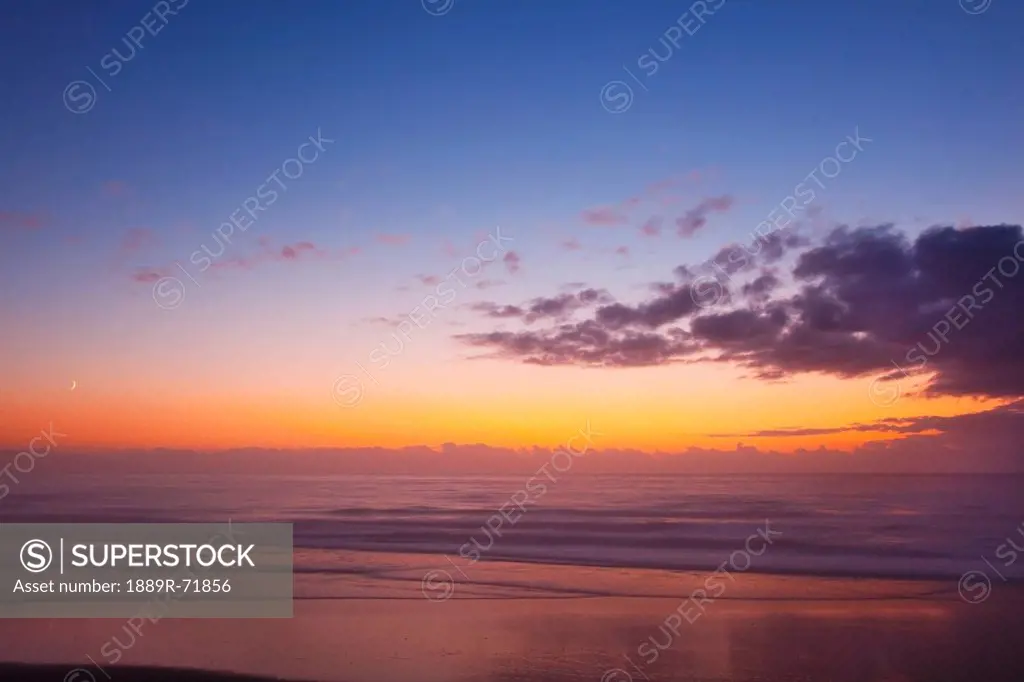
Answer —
909 526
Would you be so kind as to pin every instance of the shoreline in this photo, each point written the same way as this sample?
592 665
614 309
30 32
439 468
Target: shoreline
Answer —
676 568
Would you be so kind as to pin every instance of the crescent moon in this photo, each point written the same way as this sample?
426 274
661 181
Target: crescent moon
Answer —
74 384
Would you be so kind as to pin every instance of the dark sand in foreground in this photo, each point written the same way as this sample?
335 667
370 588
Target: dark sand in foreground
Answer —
22 672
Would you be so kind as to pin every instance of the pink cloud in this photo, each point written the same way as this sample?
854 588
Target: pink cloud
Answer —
571 244
136 239
652 228
288 253
662 191
267 253
21 221
393 239
488 284
292 252
605 216
663 185
665 191
115 188
236 263
449 249
512 262
622 251
429 280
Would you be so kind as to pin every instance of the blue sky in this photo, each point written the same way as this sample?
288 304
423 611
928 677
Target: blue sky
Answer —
490 114
446 126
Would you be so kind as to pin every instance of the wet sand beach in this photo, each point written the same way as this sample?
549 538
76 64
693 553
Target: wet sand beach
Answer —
527 622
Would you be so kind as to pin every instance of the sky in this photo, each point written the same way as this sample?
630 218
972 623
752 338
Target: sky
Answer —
494 222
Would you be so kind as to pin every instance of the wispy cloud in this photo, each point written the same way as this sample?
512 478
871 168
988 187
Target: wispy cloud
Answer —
697 217
294 251
497 311
114 188
148 275
663 186
604 216
393 239
652 228
267 252
558 307
664 192
21 221
137 239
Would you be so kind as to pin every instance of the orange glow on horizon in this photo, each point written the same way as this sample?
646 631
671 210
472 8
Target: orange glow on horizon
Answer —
642 410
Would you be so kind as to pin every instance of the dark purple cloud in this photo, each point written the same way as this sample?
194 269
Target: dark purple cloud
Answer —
693 220
760 290
148 275
977 425
672 305
864 301
762 250
585 343
558 307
